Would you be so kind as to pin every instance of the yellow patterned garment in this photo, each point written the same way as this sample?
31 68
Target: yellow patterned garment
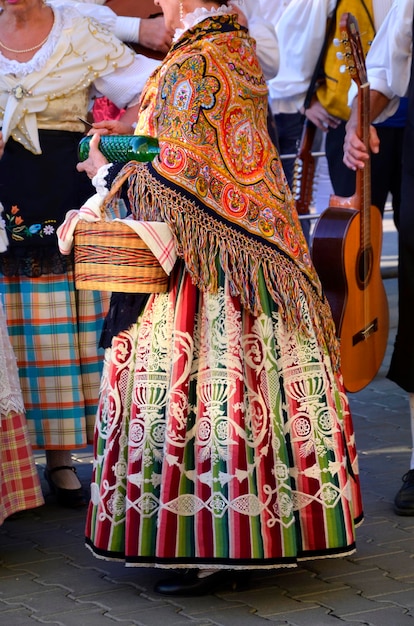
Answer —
219 182
333 92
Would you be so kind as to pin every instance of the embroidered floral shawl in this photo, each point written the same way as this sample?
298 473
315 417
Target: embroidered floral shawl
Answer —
219 182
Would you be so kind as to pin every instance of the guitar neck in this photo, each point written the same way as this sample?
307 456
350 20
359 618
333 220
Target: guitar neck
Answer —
304 170
363 176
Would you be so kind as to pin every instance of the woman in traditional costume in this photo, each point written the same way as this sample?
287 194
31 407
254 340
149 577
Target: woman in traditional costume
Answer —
224 438
51 61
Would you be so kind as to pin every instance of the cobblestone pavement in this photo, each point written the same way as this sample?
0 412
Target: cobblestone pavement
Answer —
47 576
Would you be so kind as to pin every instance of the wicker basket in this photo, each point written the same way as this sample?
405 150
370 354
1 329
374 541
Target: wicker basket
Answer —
110 256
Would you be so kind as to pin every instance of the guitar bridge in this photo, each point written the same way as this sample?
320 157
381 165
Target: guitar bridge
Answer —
366 332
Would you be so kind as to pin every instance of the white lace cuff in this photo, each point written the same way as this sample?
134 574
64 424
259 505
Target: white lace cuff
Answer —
99 180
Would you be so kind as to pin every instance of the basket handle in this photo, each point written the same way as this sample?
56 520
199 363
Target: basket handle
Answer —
116 186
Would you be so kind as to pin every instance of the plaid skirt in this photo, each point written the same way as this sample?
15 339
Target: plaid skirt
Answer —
55 332
19 482
222 439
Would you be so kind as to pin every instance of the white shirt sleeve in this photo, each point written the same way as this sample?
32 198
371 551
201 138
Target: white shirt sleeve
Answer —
124 86
271 10
263 31
125 28
301 33
389 58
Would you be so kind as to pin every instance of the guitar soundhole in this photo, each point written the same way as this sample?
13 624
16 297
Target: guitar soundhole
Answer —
364 267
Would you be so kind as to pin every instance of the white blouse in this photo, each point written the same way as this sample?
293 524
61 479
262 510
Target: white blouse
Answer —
53 88
123 27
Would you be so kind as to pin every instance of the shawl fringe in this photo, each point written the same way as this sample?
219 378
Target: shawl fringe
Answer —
202 240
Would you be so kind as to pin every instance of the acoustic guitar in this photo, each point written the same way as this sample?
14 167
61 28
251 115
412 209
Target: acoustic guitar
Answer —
304 170
346 249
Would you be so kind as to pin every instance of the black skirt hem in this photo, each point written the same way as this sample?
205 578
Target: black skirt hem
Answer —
219 563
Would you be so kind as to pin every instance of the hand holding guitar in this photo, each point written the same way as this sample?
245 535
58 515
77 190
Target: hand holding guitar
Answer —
356 153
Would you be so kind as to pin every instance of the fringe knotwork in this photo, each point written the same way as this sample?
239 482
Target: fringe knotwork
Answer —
201 237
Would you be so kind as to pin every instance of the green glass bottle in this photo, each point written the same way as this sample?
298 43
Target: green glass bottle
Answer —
122 148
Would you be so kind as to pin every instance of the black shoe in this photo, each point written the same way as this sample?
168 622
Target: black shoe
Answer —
69 498
189 584
404 500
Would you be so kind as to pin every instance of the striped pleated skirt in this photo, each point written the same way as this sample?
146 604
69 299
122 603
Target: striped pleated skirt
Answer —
222 440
